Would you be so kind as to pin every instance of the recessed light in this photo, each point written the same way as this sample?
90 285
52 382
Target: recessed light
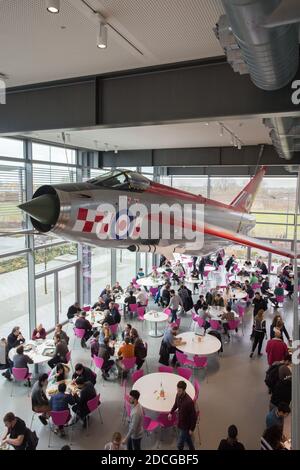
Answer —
53 6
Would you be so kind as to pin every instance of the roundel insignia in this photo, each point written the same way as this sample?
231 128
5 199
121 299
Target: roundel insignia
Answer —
121 225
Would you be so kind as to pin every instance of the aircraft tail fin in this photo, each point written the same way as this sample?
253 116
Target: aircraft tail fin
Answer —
244 200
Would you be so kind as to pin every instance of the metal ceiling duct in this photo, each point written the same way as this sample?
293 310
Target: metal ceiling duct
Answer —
271 54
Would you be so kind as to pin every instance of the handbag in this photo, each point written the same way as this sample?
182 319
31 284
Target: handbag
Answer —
32 440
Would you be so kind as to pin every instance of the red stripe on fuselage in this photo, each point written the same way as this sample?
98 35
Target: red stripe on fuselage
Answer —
162 190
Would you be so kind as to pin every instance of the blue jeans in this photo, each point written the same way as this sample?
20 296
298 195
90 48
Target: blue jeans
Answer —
184 437
134 444
174 315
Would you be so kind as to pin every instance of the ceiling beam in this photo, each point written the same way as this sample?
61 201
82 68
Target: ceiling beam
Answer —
198 157
196 91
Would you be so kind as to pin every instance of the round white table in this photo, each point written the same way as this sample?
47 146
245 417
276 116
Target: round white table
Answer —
149 282
37 353
214 313
209 268
199 345
238 295
155 317
149 387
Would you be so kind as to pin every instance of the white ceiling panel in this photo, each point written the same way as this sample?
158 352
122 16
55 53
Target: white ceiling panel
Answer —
37 46
188 135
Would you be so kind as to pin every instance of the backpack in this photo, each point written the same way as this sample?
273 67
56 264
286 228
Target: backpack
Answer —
272 376
32 440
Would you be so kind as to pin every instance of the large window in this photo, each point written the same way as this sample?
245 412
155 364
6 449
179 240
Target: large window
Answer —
195 185
45 307
126 269
49 153
100 274
11 148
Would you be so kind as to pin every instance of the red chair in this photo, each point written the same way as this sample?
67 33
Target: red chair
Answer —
200 362
150 424
153 291
93 405
128 364
183 359
215 324
137 375
87 308
183 372
59 418
200 321
79 333
167 311
140 314
20 374
233 325
133 308
114 328
166 369
98 362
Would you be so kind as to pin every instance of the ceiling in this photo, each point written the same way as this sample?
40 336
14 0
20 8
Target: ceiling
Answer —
187 135
40 46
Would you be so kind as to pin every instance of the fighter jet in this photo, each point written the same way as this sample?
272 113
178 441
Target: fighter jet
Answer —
124 209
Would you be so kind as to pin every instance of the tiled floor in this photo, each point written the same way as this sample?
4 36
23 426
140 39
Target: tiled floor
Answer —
234 394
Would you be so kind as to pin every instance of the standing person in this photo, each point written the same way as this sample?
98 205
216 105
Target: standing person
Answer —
201 268
279 324
187 417
259 332
174 303
106 352
136 428
229 262
259 304
61 333
276 349
231 442
95 344
4 361
276 416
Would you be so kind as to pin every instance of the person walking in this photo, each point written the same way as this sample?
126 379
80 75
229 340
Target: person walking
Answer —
136 429
187 416
259 332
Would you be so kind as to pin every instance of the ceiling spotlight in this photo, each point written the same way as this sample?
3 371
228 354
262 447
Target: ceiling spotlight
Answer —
239 145
102 37
116 149
53 6
106 147
221 131
206 123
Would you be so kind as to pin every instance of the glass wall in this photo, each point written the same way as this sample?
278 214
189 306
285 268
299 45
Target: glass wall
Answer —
45 307
126 269
66 292
100 271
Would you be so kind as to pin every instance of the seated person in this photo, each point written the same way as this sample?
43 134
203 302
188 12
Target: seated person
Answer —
108 297
60 353
21 361
117 289
59 373
95 343
100 305
84 324
248 263
39 333
141 297
227 316
140 273
209 298
16 435
108 318
130 300
140 350
253 280
116 442
87 392
73 310
61 401
63 335
130 288
218 301
105 352
105 291
15 338
39 400
243 272
169 343
126 351
114 313
264 269
85 372
200 303
204 313
126 331
4 359
279 290
231 442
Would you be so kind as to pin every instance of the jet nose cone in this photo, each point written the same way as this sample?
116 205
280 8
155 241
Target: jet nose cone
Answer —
44 209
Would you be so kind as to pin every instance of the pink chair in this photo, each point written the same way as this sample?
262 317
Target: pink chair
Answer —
194 319
137 375
167 311
166 369
280 299
87 308
140 314
93 405
59 418
114 328
128 364
133 308
215 324
183 372
79 333
176 323
153 291
150 424
20 374
200 362
164 421
98 362
183 359
200 321
233 325
255 286
197 389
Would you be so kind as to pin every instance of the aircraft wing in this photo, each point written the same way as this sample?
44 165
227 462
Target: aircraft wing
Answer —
242 239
